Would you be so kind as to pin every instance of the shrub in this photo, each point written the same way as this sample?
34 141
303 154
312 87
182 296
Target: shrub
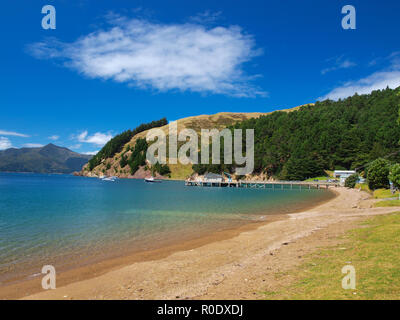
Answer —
377 174
162 169
394 175
351 181
124 161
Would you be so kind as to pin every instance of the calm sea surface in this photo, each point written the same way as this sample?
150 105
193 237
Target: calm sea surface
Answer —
68 221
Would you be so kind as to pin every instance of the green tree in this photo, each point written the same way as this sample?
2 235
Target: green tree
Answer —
302 167
377 174
162 169
138 155
394 175
398 119
398 94
124 161
351 181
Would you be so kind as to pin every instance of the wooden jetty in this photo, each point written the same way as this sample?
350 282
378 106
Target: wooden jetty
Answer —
272 185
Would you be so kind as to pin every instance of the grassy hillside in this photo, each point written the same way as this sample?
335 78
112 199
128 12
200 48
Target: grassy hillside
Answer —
111 166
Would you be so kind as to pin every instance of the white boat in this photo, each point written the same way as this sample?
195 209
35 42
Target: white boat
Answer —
151 180
110 179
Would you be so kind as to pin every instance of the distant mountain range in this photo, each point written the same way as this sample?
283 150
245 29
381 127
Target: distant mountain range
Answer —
47 159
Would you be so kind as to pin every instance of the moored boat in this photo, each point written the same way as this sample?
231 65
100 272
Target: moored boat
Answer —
109 178
151 180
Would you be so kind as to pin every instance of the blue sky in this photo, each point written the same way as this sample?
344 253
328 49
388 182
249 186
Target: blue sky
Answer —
111 65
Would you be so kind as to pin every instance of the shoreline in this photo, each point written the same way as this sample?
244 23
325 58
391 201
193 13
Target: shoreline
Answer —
230 268
31 284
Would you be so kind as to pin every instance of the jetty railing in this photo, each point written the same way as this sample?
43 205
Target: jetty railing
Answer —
272 185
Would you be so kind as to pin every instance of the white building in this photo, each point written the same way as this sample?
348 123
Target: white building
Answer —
212 177
343 175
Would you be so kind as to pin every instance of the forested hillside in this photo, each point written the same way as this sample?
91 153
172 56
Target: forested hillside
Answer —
294 144
116 144
344 134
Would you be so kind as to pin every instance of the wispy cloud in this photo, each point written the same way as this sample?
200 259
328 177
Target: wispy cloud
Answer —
5 143
393 58
12 133
206 17
32 145
98 138
75 146
339 63
388 77
162 57
91 153
375 81
54 138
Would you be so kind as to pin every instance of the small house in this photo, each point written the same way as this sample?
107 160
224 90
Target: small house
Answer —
213 177
343 175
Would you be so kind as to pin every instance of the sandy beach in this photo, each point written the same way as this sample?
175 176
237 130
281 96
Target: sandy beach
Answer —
240 266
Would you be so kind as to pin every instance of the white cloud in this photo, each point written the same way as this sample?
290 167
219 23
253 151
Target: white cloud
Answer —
5 143
184 57
12 133
54 138
393 58
91 153
375 81
339 63
32 145
98 138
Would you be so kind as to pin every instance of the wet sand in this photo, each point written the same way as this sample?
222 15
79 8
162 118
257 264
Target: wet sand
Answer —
73 270
225 265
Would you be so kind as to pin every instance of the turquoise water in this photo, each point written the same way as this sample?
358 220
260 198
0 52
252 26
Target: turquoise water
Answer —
69 221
